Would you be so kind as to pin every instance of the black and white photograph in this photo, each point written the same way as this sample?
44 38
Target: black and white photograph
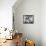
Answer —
28 19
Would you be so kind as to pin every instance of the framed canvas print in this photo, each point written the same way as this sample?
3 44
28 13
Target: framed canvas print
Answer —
28 19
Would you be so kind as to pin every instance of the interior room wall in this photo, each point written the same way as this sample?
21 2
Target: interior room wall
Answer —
30 31
43 22
6 13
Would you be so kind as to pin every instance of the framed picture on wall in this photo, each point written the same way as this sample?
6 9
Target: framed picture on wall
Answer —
28 19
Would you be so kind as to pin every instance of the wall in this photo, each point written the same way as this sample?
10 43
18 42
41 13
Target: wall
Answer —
43 22
30 31
6 13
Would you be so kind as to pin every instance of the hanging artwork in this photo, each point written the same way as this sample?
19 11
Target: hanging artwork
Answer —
28 19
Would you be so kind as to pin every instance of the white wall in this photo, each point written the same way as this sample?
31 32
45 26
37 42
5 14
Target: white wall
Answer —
43 22
31 31
6 13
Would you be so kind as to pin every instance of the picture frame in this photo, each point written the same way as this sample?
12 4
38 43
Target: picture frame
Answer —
28 19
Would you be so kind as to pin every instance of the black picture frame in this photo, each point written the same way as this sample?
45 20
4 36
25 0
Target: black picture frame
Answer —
28 19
